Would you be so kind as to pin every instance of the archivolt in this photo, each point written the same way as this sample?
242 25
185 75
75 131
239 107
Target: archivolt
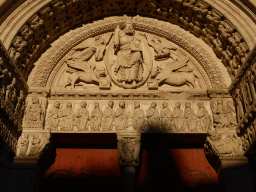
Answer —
33 26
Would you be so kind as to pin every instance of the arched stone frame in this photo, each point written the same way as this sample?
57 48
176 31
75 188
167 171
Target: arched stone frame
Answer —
46 68
241 22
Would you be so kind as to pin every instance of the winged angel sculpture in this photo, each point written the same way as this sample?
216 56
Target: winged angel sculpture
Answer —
80 68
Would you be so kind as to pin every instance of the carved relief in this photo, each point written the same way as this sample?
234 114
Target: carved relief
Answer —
178 117
121 121
138 117
108 117
67 118
153 117
34 115
32 144
83 117
23 144
223 115
204 117
224 144
175 73
96 117
54 116
166 117
130 68
129 151
190 116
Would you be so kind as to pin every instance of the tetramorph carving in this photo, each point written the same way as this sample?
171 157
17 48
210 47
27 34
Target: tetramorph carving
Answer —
175 73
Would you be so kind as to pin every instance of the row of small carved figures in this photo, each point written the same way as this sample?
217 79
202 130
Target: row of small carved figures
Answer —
66 119
11 103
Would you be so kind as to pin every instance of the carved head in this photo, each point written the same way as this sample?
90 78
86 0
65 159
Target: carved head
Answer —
136 104
69 105
219 102
83 104
110 104
165 104
101 71
153 105
122 104
96 104
35 100
188 105
57 104
128 27
200 104
177 104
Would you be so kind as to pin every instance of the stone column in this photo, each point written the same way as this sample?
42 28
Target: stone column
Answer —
128 147
33 147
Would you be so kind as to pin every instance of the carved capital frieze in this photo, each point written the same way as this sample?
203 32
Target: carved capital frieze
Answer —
32 142
223 144
128 146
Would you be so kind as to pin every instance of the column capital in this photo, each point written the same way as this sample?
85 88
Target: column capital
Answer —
128 146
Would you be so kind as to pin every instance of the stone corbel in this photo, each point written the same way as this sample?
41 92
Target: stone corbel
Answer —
36 104
128 147
223 148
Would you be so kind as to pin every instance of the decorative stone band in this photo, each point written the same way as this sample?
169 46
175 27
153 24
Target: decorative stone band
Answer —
103 116
128 147
33 124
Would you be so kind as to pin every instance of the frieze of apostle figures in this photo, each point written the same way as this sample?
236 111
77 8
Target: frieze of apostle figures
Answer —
89 116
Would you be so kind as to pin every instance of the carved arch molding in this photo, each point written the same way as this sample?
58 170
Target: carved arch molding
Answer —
35 24
209 44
